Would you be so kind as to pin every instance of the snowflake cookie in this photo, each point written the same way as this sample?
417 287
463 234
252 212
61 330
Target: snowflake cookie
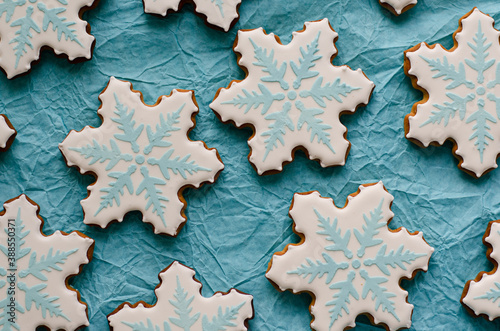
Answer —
481 295
461 90
292 96
28 25
349 260
180 306
7 133
142 158
34 269
218 13
398 7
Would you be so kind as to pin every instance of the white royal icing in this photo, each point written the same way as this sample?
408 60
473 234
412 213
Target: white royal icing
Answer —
5 132
350 261
399 5
293 96
28 25
180 306
34 269
220 13
141 156
483 296
464 93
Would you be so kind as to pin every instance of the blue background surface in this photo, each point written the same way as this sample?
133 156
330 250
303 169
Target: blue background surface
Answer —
236 224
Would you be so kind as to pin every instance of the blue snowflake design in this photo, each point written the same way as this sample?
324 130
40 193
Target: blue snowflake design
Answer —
121 182
220 5
478 91
26 26
493 293
358 266
185 319
37 268
280 122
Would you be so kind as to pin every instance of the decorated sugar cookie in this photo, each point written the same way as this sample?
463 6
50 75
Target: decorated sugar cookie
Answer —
181 307
7 133
349 260
292 96
34 270
28 25
481 296
398 7
219 13
142 158
461 94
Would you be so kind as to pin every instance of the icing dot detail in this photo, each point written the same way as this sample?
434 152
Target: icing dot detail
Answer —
356 264
292 95
480 90
139 159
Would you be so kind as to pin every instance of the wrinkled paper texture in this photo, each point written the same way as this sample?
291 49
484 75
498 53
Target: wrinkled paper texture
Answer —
236 224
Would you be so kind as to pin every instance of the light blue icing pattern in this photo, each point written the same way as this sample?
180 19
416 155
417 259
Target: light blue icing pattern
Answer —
26 26
293 94
478 91
359 265
37 269
137 157
186 318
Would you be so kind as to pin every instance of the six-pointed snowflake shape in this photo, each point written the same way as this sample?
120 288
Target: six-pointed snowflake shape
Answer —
142 158
219 13
34 269
398 7
462 93
349 260
180 306
293 96
482 295
28 25
7 133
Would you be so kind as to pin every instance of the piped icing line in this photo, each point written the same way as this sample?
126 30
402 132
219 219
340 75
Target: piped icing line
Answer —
180 306
7 133
221 14
27 26
349 260
34 271
292 96
397 7
461 94
481 295
142 158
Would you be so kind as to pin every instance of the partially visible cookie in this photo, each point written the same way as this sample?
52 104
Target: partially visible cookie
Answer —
34 271
481 296
28 25
142 158
292 96
349 260
7 133
397 7
222 14
461 88
180 306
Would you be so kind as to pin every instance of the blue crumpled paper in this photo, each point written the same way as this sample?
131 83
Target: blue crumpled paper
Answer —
235 225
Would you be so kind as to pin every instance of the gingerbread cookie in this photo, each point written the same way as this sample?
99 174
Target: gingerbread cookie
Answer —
292 96
180 306
349 260
397 7
481 295
7 133
27 26
219 13
34 271
142 158
461 90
